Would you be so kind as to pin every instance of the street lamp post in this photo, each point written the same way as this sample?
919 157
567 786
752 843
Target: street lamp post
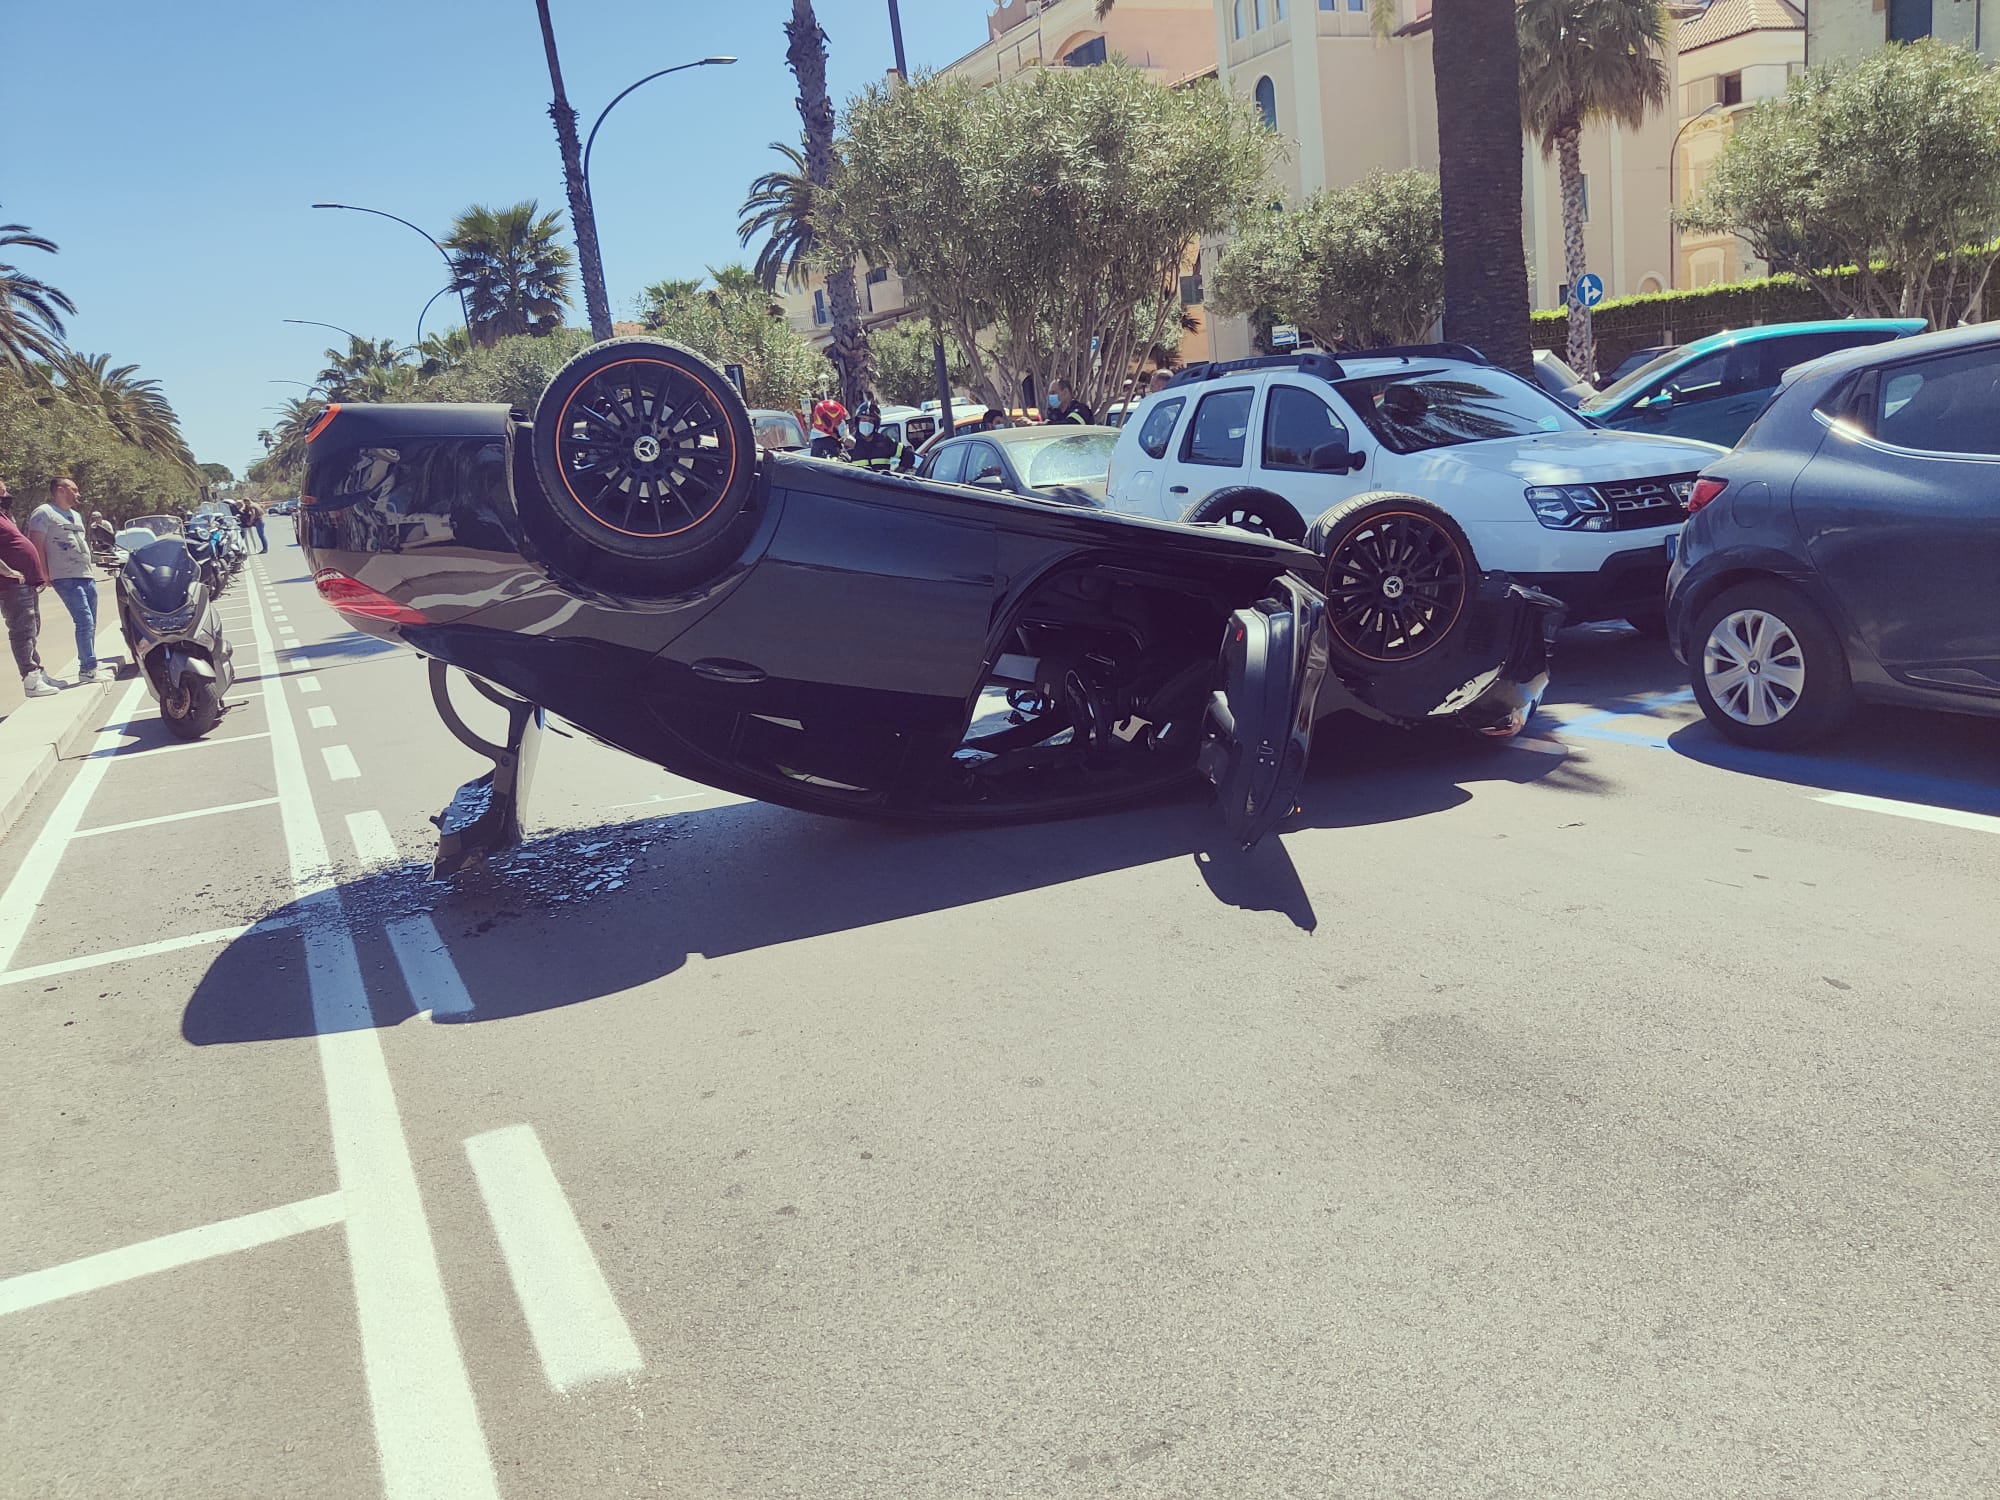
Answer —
1673 187
420 318
937 348
311 323
449 265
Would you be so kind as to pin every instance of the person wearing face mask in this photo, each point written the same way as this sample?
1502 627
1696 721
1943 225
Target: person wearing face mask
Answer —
875 449
1064 407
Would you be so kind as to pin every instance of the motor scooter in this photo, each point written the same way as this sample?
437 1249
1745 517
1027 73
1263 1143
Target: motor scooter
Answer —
166 609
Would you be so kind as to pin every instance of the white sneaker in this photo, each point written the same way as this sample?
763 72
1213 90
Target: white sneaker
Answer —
97 674
37 685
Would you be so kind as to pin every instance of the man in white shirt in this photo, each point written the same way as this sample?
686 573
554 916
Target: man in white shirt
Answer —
63 540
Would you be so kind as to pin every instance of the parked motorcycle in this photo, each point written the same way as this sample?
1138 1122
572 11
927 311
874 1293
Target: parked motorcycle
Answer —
166 608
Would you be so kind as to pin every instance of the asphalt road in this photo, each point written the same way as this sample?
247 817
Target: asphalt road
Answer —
1612 1115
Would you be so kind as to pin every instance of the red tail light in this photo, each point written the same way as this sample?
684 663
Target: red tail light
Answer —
1705 490
353 597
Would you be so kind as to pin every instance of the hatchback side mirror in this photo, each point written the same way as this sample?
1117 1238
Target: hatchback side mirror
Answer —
1334 458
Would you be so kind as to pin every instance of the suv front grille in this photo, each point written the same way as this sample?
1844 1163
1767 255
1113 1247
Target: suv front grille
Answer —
1639 503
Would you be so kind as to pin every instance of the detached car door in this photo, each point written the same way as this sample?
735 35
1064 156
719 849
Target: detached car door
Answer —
1901 513
1258 728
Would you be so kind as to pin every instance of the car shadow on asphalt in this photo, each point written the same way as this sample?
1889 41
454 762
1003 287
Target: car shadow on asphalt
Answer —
579 914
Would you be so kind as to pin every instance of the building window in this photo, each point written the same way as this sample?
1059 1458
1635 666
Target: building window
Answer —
879 275
1267 102
1357 5
819 307
1909 20
1236 20
1732 88
1257 15
1278 9
1089 55
1191 290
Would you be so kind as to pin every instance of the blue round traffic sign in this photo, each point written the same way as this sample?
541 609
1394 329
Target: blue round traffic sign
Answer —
1590 289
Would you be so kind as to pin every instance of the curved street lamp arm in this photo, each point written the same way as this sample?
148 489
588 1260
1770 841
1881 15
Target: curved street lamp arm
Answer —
592 137
355 208
427 307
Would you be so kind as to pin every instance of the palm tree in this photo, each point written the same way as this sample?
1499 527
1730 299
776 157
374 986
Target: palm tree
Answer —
780 208
137 410
443 351
805 51
512 269
597 306
31 326
1474 52
348 376
264 437
1584 60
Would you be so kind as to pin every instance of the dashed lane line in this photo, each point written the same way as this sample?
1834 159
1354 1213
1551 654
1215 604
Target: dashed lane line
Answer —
307 684
340 764
321 717
370 833
578 1330
428 972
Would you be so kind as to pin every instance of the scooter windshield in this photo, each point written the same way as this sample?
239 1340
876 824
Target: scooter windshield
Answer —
162 575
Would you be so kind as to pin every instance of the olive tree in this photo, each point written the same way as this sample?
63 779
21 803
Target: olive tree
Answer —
1360 265
1043 225
1889 165
904 356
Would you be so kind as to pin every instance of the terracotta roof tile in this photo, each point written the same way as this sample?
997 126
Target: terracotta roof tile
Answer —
1724 19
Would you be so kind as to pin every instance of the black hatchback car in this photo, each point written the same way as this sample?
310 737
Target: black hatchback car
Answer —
1849 548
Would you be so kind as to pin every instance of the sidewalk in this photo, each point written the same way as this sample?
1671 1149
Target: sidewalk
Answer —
35 732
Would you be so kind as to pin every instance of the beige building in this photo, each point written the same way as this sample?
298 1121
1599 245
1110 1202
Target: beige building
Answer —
1348 102
1837 30
1732 55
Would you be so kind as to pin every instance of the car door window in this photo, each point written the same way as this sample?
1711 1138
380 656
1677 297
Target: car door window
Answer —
1158 429
948 463
1946 405
1295 423
1219 430
982 461
1701 381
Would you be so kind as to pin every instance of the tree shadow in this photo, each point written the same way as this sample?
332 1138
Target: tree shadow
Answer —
634 901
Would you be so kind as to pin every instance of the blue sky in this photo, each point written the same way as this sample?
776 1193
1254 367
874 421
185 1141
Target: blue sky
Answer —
171 150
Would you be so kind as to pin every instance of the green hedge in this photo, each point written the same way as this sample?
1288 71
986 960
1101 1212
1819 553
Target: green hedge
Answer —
1627 323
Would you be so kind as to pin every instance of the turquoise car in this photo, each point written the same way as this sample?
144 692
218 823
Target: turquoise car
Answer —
1713 388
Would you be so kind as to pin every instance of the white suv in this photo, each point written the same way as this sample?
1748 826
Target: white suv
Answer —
1576 510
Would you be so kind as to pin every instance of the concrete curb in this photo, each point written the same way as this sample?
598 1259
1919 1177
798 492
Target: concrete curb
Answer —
42 731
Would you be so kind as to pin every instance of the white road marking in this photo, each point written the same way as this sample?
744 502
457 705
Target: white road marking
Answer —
141 950
95 1272
1918 812
181 817
428 971
572 1317
31 881
340 764
427 1431
118 752
1535 743
372 842
298 663
320 717
307 684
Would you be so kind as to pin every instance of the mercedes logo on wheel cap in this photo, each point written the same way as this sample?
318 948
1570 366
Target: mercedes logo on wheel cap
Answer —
646 449
1392 587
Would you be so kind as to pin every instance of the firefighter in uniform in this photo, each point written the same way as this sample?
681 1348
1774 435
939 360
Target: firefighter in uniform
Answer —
875 449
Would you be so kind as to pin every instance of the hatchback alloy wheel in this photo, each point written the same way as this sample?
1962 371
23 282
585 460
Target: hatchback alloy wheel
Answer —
1754 667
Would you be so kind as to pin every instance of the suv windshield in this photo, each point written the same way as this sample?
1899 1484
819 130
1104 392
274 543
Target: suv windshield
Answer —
1075 459
1619 389
1409 413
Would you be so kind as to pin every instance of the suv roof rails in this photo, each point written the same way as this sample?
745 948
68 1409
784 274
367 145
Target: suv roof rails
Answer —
1326 366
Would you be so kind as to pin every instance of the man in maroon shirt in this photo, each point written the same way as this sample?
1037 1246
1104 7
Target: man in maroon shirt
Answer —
21 583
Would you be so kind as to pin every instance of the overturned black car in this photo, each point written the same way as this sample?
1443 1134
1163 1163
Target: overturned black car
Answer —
875 645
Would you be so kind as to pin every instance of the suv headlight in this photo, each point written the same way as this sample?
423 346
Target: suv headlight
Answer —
1569 507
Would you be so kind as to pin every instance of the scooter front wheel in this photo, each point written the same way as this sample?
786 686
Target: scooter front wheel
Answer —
191 707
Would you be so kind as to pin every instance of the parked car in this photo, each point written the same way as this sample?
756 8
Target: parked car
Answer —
1633 361
1713 388
912 425
1849 548
1536 491
867 645
1041 462
778 431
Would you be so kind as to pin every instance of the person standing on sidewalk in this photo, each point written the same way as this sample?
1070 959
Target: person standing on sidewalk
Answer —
21 584
253 521
58 532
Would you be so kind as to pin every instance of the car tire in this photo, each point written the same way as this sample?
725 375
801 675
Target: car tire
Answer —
644 450
1249 509
1399 578
1800 688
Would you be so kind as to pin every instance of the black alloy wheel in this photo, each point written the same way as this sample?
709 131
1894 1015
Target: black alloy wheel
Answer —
644 449
1399 573
1248 509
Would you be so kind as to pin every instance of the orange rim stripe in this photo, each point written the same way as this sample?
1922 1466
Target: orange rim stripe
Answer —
1463 593
562 426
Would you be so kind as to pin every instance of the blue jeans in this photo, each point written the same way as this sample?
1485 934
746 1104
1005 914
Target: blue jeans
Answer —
79 597
262 544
